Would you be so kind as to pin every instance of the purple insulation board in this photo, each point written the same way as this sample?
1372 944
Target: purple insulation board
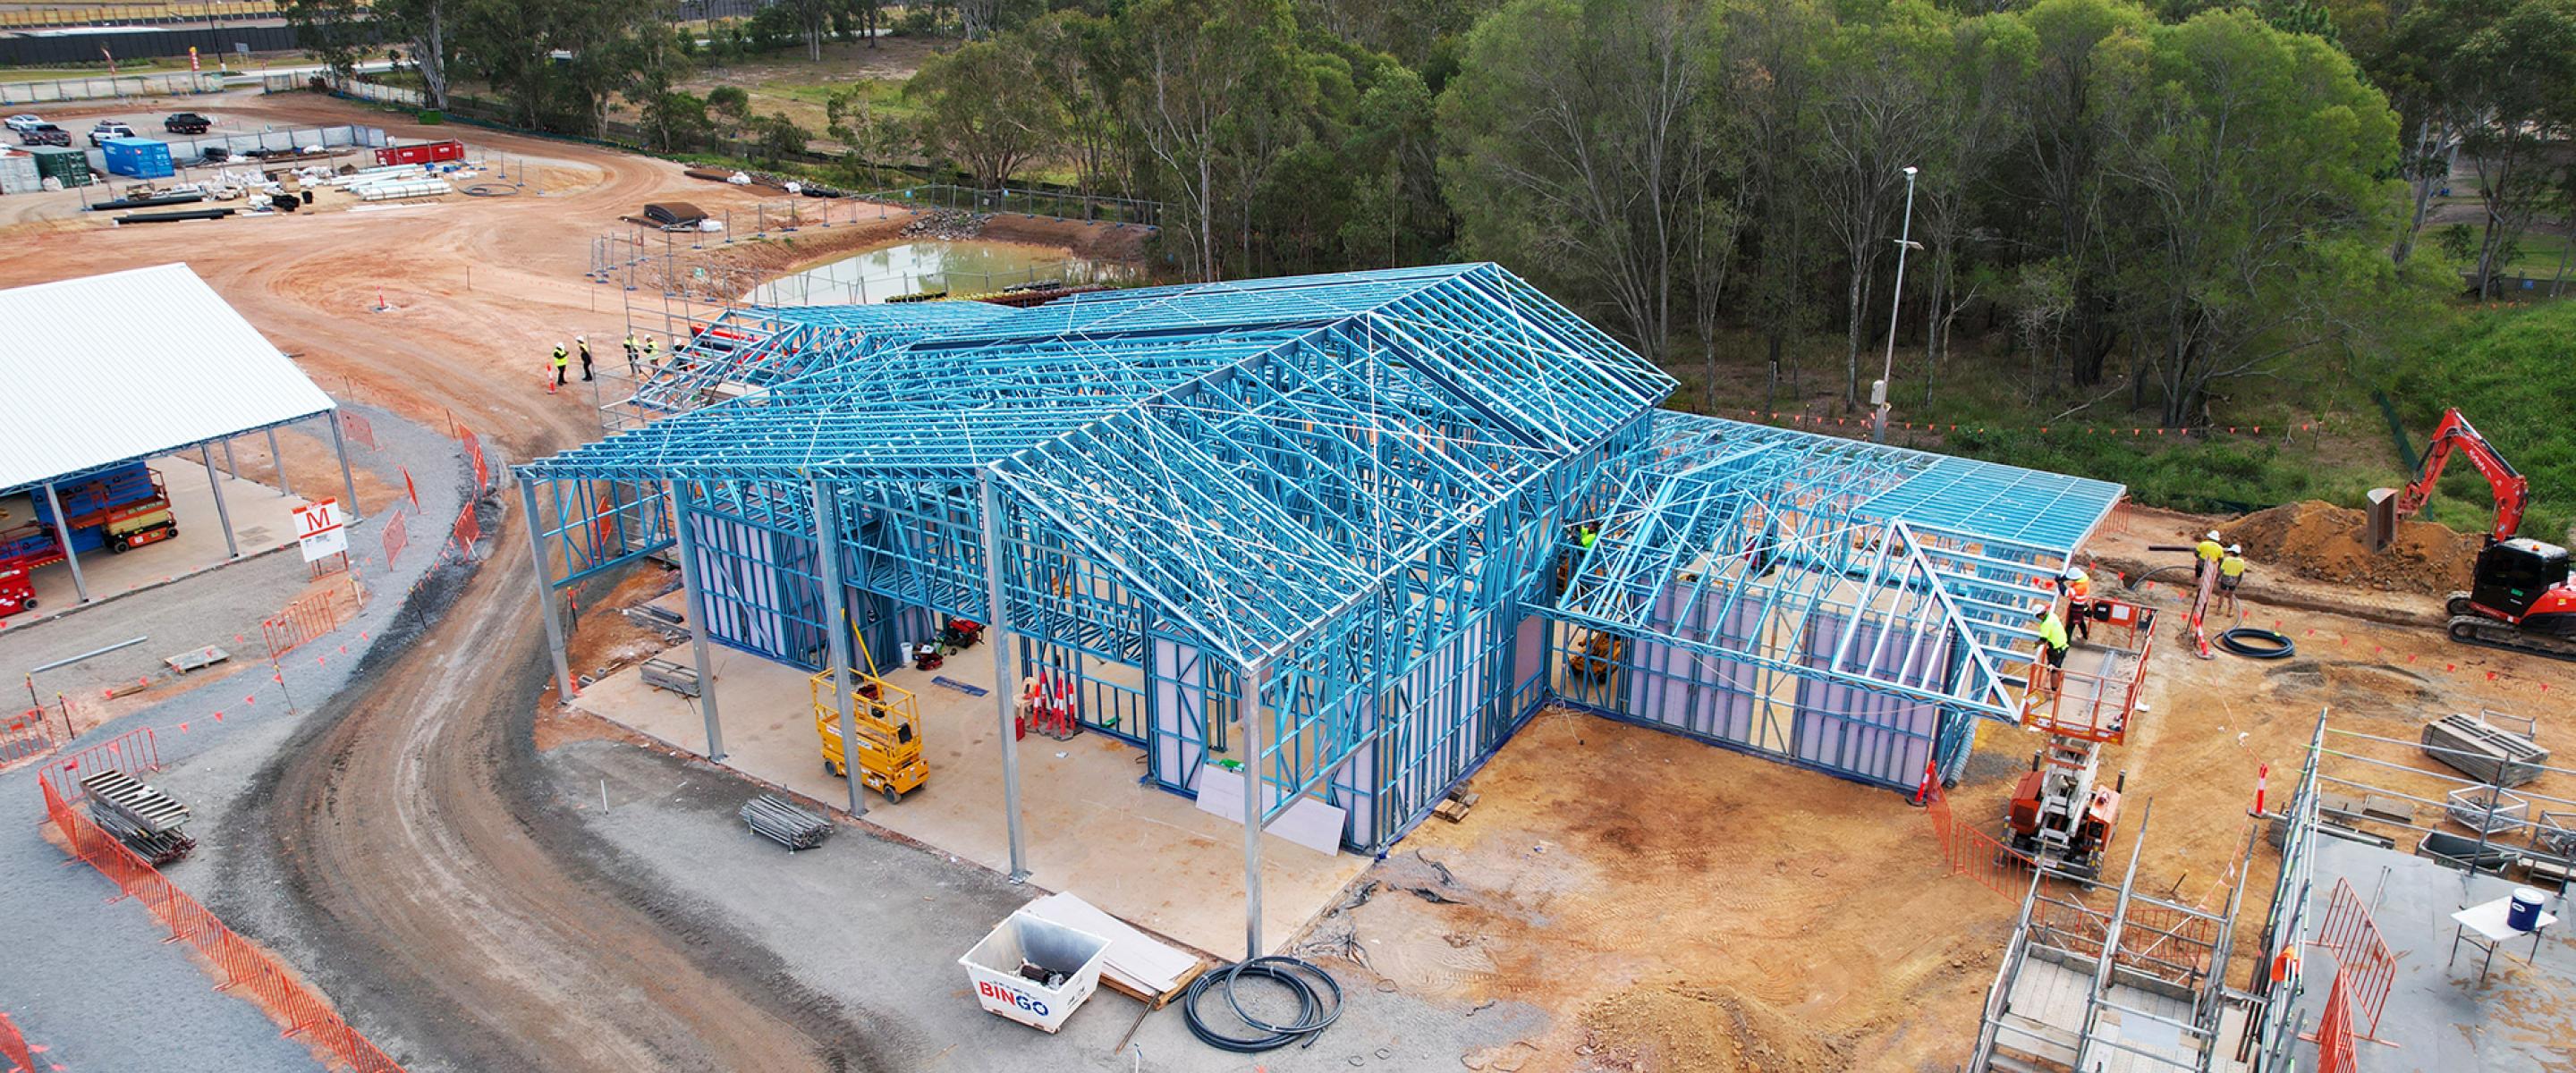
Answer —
1691 691
1863 732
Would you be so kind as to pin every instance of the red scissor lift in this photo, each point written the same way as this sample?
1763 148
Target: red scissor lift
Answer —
122 509
2061 814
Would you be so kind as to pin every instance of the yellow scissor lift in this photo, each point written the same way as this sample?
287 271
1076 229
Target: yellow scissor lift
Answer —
888 722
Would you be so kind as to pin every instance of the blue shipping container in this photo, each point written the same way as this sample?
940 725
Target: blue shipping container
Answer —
141 158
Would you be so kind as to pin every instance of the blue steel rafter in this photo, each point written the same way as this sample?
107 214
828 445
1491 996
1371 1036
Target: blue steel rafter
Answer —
1359 483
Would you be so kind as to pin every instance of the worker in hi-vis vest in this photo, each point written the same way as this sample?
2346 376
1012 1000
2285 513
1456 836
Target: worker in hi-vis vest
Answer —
2052 648
563 361
632 366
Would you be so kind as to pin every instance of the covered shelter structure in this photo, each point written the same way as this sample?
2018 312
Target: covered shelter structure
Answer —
116 369
1350 531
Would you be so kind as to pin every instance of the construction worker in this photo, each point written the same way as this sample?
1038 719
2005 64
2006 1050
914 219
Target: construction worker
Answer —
582 342
2231 573
2206 555
563 361
2078 590
632 366
1588 537
651 353
2052 649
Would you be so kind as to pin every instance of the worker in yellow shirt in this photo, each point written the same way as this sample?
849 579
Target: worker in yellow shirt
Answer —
633 367
563 361
2206 555
2052 649
2231 573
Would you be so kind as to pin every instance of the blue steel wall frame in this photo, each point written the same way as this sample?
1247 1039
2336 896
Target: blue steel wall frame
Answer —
1362 482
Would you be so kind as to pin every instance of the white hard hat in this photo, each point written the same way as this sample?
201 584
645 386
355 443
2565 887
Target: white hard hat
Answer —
2236 549
2213 534
581 338
2075 573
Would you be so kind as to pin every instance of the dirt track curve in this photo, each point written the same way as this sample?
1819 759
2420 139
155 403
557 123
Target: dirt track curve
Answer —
453 899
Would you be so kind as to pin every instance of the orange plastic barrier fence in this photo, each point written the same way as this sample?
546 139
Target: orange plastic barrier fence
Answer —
2334 1036
24 735
2365 968
474 454
133 752
359 428
13 1049
468 530
243 964
397 536
302 621
1967 851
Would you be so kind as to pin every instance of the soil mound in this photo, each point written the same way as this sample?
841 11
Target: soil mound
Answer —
2323 541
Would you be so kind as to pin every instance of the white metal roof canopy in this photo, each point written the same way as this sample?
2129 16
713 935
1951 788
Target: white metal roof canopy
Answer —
127 365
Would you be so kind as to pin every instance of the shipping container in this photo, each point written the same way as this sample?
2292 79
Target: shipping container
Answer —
18 174
422 153
141 158
55 162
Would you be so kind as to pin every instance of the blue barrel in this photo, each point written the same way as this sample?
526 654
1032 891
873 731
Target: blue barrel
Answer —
2523 913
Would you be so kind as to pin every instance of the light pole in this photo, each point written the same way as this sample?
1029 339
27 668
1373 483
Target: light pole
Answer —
1904 242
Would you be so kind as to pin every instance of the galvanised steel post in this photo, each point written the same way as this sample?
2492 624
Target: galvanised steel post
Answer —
1004 692
836 627
694 591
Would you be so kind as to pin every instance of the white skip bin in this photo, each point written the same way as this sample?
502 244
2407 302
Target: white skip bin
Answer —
1069 957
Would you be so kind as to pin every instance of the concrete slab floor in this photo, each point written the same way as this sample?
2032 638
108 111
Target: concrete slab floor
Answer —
263 520
2440 1017
1147 856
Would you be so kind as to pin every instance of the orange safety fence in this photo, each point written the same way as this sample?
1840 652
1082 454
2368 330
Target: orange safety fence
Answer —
474 454
1967 851
359 428
2334 1034
2365 968
244 965
468 529
305 620
397 536
14 1056
133 752
24 735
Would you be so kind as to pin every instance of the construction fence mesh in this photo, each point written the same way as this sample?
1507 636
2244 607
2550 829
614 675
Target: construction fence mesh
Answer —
13 1049
2365 968
1966 850
243 965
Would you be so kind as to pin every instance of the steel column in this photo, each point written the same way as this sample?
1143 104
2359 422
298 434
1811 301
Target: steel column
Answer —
1004 692
232 467
694 592
1253 785
545 590
279 457
836 626
63 534
348 483
221 514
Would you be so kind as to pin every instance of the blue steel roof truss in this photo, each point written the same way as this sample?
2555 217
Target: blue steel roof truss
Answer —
1332 477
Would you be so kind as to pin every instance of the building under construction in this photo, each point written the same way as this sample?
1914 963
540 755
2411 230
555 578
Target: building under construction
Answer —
1390 515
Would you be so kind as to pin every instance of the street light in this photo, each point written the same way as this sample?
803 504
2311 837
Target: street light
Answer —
1904 242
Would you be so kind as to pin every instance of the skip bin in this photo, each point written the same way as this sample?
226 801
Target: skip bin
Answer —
1054 950
141 158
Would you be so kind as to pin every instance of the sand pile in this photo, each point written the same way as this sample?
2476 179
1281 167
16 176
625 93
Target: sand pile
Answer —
2323 541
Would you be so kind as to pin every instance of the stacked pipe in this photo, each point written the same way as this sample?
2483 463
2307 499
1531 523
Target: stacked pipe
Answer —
774 819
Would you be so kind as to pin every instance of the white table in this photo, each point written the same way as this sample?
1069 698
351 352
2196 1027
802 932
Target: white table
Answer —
2487 919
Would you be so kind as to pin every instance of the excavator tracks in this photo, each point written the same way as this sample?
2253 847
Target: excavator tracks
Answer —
2486 632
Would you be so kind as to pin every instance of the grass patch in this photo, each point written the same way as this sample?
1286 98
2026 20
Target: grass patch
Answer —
883 96
2509 369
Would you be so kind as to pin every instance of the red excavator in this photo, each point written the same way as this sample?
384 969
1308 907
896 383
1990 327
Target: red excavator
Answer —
2520 599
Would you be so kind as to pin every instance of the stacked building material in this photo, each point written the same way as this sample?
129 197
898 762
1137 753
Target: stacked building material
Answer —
2484 751
2481 808
776 820
140 816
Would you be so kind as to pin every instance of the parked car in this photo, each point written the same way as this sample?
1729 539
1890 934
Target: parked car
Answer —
187 123
45 134
106 129
22 122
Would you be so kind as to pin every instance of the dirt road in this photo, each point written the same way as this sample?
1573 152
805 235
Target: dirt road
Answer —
458 916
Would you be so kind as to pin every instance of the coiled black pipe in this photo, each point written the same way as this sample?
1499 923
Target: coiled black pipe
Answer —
2268 644
1319 1004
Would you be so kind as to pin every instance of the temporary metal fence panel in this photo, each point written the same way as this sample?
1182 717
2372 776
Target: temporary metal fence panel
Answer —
115 86
397 535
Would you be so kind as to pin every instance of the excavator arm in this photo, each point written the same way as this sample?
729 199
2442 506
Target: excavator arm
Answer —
2512 490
